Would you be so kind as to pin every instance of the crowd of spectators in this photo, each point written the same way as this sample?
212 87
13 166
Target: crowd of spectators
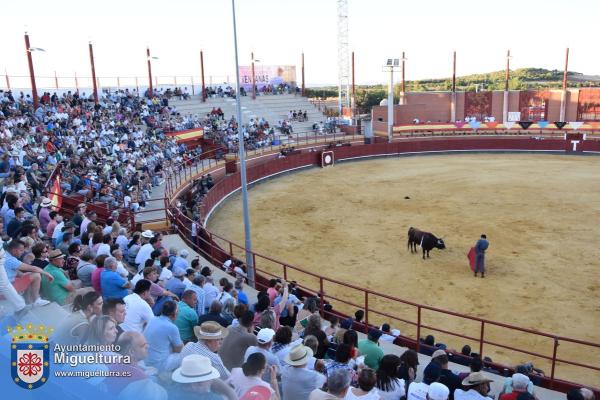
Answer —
112 152
258 132
220 91
271 89
299 115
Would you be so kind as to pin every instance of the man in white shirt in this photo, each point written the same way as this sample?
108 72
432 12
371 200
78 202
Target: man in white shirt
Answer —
418 390
477 385
211 293
195 232
388 335
137 310
147 249
58 229
121 270
91 217
264 340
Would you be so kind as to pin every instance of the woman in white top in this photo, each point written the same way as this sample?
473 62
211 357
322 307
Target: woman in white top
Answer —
104 247
390 386
249 376
366 389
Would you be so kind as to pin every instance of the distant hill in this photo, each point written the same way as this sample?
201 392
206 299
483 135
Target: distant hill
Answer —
520 79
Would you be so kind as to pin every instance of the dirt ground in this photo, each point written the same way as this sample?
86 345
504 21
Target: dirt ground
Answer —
541 214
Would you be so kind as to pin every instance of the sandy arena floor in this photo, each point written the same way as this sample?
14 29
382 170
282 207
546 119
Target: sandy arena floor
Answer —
541 214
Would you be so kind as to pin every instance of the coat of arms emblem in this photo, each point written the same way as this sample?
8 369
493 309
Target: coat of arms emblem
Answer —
30 355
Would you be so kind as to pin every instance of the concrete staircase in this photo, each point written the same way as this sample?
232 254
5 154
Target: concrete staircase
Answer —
272 108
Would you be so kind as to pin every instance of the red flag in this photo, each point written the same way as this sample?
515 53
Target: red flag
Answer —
471 256
55 194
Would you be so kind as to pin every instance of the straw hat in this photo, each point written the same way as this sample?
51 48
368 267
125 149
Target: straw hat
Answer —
299 355
474 379
210 330
195 368
46 202
55 254
148 234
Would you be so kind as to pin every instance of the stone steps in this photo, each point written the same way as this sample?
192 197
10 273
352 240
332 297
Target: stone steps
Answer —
272 108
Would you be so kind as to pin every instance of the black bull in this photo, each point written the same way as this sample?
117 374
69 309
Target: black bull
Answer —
426 240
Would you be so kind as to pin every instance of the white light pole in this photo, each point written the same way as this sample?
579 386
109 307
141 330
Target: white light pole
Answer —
389 66
244 184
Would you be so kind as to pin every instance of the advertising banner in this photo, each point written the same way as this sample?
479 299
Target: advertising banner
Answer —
267 75
533 105
478 105
588 107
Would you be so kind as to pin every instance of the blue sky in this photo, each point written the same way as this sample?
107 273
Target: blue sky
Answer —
537 32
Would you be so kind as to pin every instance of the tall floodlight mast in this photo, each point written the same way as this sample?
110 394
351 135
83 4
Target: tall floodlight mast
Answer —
343 58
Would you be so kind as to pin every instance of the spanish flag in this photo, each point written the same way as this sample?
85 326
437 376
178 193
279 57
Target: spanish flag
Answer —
187 135
55 194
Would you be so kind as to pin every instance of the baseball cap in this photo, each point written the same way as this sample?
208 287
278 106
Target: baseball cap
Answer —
265 335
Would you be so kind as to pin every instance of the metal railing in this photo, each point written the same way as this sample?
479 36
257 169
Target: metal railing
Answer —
185 172
61 83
